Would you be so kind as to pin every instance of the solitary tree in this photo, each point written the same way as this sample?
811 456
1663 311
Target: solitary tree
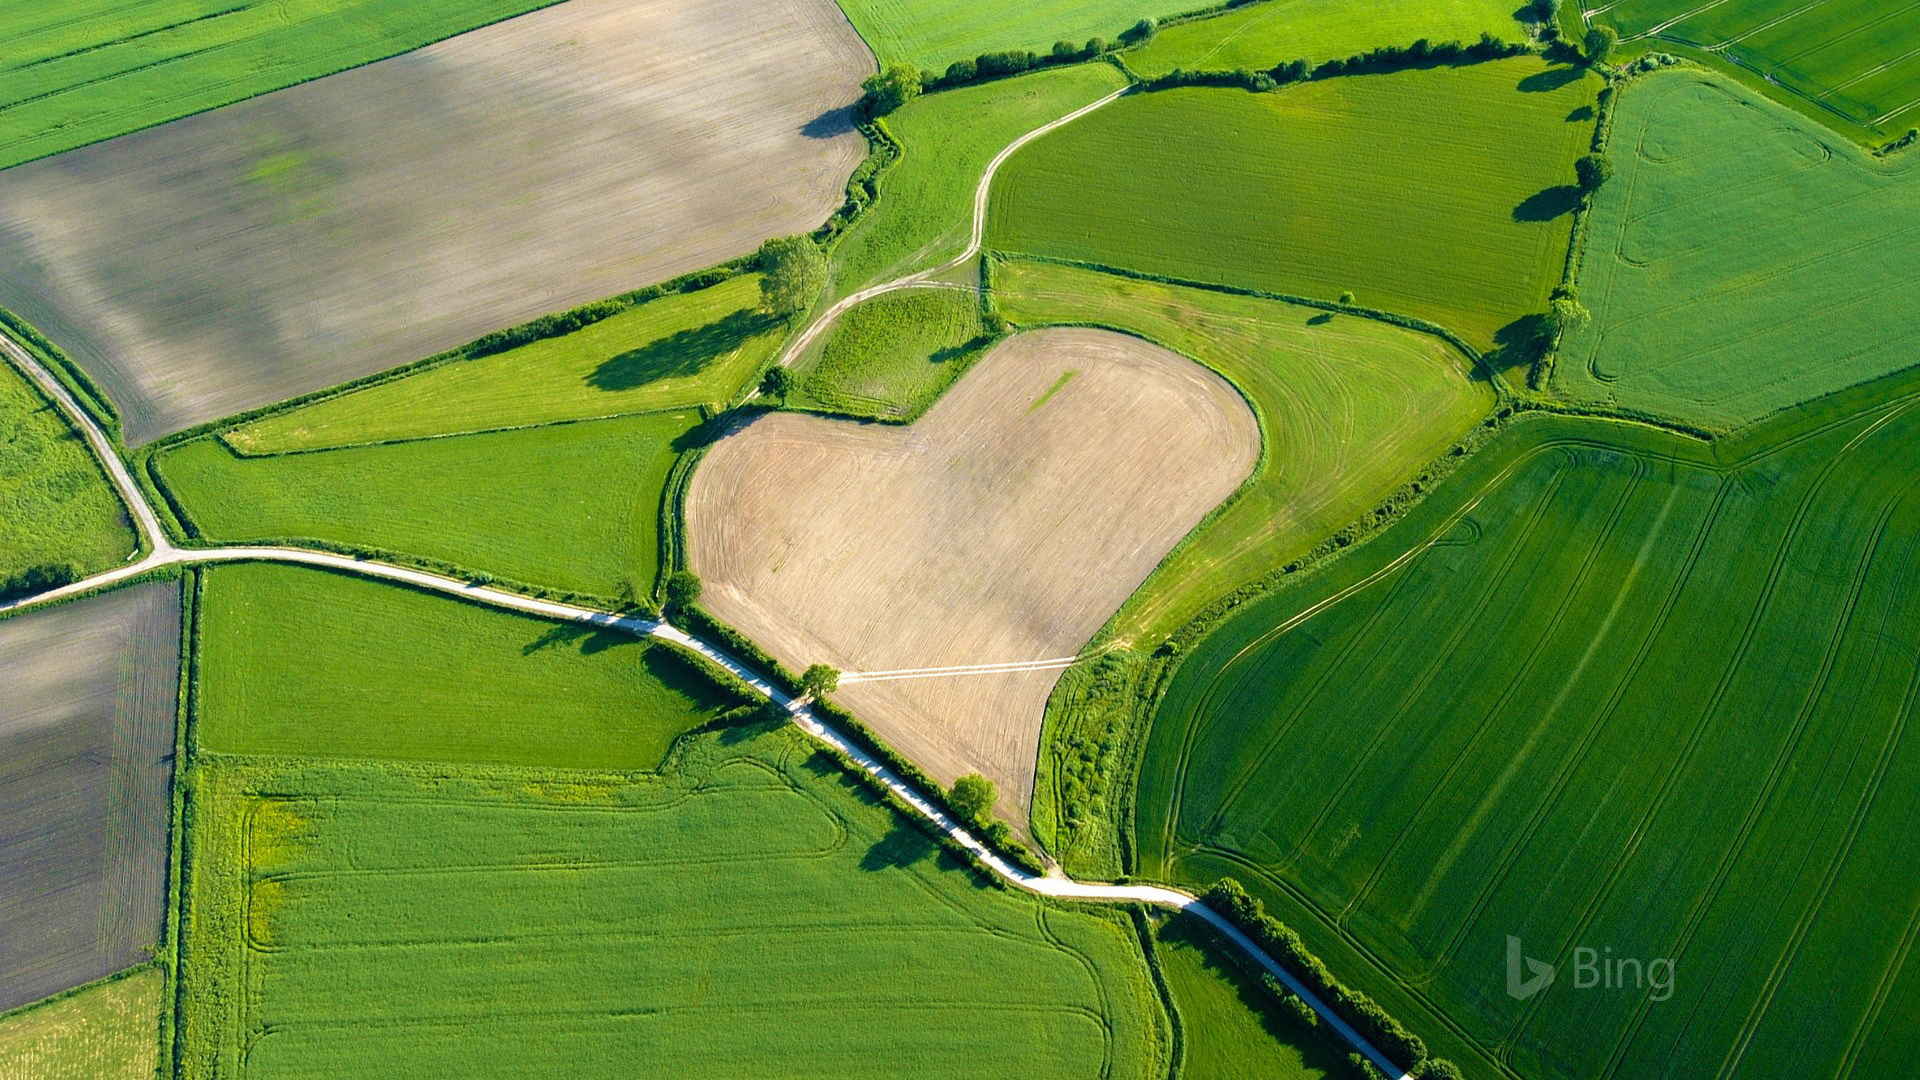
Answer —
972 796
793 270
890 89
1347 298
1600 43
819 679
1592 171
1094 47
1139 32
683 588
777 383
1565 313
1064 51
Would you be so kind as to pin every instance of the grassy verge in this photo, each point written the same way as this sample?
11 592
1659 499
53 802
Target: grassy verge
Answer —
674 352
1259 36
572 506
891 357
298 661
56 505
108 1030
1325 188
925 209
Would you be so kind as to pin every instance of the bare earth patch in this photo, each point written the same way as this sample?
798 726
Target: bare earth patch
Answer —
86 753
1006 525
334 229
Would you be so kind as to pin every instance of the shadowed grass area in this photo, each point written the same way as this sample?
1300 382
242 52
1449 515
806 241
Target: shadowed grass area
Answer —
680 350
891 357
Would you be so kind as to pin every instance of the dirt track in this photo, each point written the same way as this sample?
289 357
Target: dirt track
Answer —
330 230
1006 525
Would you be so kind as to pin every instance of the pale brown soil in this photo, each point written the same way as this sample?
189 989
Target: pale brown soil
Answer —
994 529
86 752
334 229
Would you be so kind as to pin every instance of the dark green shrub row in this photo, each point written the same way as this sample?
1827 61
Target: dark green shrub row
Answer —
1231 901
1912 136
899 806
86 391
999 65
1421 54
863 187
35 580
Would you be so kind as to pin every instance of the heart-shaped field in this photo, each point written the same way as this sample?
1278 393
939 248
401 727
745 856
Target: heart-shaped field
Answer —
1004 526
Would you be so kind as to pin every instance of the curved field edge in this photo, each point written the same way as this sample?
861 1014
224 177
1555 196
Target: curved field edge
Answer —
1428 523
1733 233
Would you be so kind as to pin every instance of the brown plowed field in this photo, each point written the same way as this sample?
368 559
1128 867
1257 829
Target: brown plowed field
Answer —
1006 525
86 755
337 228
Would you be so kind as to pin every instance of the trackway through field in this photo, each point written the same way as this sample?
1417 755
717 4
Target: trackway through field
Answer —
164 554
919 278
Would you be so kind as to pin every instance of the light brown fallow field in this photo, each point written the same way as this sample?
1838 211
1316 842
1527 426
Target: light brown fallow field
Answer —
1005 525
337 228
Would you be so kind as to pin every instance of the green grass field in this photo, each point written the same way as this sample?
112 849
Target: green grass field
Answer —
1742 260
107 1031
890 357
1443 194
1851 58
302 661
1607 689
572 506
1349 408
1262 35
932 34
55 503
748 914
925 211
1230 1023
80 71
682 350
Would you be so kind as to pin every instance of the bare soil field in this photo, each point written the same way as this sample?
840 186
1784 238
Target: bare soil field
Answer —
86 753
337 228
1006 525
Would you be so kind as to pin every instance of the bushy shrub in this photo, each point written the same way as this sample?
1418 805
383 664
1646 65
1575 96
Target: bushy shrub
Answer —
995 65
35 580
1599 44
889 89
1139 32
1441 1069
960 71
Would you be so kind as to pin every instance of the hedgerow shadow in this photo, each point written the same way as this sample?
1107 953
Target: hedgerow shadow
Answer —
1545 205
684 352
904 845
1517 344
1318 1047
829 124
1545 82
714 428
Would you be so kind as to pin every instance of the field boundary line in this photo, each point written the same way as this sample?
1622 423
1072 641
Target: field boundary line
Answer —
1057 886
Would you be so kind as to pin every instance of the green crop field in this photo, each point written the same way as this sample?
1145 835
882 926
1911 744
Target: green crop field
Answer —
1608 689
572 506
890 357
746 914
302 661
1231 1025
924 214
1855 59
682 350
1262 35
79 71
932 34
107 1031
1444 194
55 504
1742 260
1350 408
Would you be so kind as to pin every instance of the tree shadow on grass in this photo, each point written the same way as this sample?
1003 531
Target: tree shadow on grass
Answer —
1544 82
593 638
1548 204
1321 319
683 352
714 428
1320 1049
1517 344
1580 115
904 845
